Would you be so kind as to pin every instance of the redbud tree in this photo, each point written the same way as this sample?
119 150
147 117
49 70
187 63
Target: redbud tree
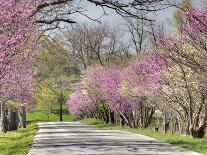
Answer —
119 91
17 39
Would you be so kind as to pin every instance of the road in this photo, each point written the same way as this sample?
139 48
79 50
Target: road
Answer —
74 138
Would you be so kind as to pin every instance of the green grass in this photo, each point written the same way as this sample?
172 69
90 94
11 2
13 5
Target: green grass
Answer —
198 145
17 142
40 116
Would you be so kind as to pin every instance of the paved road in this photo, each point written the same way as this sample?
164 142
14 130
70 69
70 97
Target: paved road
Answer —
73 138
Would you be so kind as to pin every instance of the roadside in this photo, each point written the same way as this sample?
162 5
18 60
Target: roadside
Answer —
75 138
20 141
197 145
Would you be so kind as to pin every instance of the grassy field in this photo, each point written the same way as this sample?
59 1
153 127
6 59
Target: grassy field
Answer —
17 142
198 145
39 116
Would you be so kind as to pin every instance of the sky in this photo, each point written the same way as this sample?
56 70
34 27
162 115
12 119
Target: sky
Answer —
93 11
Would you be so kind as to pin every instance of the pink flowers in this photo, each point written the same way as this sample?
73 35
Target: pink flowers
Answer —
78 103
16 39
197 22
16 24
17 84
118 89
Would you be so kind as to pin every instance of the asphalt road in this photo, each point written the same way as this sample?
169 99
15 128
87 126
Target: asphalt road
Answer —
74 138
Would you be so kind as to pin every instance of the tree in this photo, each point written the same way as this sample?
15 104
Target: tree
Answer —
142 80
53 66
16 46
79 105
93 44
138 33
111 92
179 17
16 26
186 76
17 89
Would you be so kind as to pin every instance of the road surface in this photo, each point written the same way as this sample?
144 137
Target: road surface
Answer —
74 138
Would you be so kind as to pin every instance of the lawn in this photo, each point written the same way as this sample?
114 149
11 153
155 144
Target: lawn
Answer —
198 145
39 116
17 142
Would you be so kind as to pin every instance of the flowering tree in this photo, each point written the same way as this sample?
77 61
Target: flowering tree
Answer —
17 84
186 84
112 91
79 104
91 82
16 25
110 87
17 89
16 48
142 80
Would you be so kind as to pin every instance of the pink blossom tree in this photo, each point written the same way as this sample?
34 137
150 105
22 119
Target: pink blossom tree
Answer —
17 88
141 81
16 24
17 37
113 91
79 104
110 88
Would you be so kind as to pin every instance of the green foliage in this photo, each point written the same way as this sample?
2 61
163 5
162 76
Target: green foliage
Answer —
48 109
55 61
48 93
55 73
17 142
198 145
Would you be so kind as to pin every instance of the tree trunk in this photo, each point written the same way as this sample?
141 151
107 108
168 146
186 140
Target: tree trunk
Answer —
198 132
61 100
111 117
135 119
177 125
4 123
61 111
22 113
165 124
141 115
122 122
149 114
12 119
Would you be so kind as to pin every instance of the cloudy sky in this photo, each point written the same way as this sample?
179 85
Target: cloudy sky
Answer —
95 12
